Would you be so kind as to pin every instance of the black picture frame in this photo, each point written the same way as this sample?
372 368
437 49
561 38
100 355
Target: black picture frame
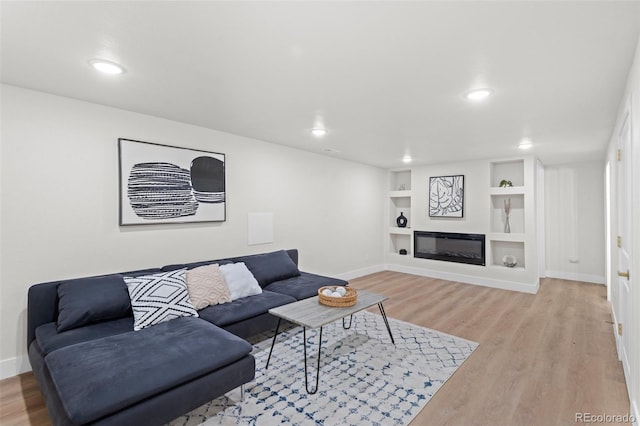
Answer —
446 196
169 184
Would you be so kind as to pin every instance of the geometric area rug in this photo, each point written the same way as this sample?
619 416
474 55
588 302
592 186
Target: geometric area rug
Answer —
364 378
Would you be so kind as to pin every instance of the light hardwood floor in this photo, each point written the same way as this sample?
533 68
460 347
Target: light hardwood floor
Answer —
542 358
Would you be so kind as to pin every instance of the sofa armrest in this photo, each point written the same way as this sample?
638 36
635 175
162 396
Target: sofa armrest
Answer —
42 307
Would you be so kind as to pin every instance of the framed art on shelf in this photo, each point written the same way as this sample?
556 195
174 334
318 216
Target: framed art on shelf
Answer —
169 184
446 196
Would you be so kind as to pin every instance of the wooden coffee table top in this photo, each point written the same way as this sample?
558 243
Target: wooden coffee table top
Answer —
310 313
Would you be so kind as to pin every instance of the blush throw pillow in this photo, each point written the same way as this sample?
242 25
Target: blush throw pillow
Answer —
240 280
207 286
158 298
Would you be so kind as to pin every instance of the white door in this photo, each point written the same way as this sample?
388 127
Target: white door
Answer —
624 193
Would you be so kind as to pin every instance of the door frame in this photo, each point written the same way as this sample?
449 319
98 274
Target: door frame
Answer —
621 304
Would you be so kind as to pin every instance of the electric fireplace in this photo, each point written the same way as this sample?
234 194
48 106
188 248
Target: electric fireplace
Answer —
450 247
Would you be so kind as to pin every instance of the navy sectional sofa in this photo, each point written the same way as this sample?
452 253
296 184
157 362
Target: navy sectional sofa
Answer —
99 371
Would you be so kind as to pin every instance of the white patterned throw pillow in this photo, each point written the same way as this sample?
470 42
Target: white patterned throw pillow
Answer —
158 298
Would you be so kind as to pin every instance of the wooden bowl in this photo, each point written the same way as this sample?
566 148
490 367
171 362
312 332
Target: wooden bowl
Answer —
349 299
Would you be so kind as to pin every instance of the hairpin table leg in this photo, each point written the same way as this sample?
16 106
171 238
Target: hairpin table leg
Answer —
347 327
384 316
304 344
273 342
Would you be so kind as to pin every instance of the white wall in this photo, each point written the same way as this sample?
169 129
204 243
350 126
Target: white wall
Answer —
631 95
59 216
574 214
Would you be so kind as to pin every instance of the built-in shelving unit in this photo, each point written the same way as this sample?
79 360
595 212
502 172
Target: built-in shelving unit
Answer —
399 202
407 192
502 241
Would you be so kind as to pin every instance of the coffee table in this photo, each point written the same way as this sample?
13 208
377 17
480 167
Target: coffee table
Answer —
310 313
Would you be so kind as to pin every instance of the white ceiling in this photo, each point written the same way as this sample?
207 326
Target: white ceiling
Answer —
385 78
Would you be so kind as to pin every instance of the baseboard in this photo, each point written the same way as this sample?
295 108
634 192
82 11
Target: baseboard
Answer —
13 366
360 272
614 329
587 278
467 279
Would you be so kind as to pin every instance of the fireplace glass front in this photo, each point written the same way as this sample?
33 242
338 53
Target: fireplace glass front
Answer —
450 247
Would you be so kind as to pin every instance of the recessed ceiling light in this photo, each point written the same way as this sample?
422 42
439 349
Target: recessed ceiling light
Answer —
407 159
318 132
478 94
106 67
525 144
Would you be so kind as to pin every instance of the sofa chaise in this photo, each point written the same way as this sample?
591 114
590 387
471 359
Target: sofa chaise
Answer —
93 368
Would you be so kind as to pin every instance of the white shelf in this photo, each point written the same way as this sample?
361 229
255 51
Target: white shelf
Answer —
509 190
515 268
401 231
400 256
500 236
399 194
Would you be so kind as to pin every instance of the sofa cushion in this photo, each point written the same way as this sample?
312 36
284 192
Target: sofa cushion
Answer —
49 339
88 300
104 376
240 281
270 267
207 286
241 309
158 298
304 286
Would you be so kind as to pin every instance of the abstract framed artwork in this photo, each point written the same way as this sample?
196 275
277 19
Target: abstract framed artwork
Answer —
168 184
446 196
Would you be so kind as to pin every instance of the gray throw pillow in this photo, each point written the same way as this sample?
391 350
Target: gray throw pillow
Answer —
89 300
270 267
